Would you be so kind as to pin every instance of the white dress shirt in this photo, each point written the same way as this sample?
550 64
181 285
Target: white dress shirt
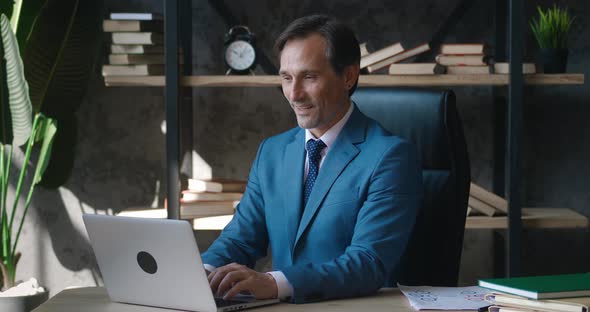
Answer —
284 288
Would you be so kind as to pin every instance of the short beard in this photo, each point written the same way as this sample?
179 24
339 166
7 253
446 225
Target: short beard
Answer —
307 122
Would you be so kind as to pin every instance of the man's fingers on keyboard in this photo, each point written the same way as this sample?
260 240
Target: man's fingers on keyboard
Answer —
237 288
216 278
230 279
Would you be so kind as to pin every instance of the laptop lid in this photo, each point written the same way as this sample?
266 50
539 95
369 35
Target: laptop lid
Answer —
154 262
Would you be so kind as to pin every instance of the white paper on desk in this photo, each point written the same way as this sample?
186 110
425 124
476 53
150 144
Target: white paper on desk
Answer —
445 298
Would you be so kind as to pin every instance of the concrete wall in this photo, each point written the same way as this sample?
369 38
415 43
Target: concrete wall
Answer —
120 152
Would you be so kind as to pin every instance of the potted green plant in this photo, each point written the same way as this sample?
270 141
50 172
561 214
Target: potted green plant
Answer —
19 126
551 29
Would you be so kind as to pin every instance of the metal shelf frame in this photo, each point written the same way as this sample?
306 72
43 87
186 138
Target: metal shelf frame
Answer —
513 134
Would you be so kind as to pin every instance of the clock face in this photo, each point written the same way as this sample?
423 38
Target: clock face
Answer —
240 55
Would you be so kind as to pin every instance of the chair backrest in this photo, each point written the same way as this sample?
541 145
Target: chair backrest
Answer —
430 120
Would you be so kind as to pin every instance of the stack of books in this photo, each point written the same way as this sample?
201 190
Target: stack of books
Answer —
568 292
137 44
485 202
202 198
474 59
214 189
383 58
212 197
465 58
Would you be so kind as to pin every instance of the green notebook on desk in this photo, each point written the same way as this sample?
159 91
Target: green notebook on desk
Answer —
542 287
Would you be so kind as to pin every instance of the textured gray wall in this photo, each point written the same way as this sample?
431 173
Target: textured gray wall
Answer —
120 153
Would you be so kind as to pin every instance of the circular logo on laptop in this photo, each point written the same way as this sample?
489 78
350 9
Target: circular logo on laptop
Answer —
147 262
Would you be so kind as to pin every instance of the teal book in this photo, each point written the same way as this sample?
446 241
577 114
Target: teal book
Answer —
542 287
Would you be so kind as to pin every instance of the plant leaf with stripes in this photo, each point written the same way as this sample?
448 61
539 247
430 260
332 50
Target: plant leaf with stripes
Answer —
17 100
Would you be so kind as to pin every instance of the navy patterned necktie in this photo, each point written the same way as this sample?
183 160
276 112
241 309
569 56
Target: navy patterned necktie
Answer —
314 148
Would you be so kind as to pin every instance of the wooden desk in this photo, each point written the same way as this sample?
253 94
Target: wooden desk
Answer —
95 299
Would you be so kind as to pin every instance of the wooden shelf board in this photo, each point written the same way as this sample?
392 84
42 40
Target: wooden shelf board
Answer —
532 218
200 222
161 213
364 81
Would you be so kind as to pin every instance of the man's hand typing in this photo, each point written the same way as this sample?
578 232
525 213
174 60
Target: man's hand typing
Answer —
231 279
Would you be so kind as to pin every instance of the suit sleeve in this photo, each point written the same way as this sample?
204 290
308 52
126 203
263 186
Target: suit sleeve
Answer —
382 229
245 239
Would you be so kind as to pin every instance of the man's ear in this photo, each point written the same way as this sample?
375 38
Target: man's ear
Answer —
351 75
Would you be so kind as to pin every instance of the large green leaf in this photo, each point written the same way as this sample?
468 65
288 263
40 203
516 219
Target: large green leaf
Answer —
5 119
46 47
60 56
29 10
45 133
17 100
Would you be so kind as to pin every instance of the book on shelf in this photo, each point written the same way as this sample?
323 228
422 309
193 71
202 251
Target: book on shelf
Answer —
381 54
504 68
364 49
543 286
109 25
125 59
137 38
398 57
200 208
468 70
466 60
217 185
137 49
464 48
188 195
133 70
503 302
126 16
473 212
488 197
188 210
482 207
209 204
494 68
416 69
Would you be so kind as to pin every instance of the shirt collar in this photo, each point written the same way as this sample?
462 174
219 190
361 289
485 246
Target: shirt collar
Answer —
330 136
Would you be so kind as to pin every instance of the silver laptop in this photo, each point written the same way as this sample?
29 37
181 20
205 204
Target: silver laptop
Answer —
155 262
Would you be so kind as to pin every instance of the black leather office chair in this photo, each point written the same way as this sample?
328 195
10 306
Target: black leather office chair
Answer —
430 120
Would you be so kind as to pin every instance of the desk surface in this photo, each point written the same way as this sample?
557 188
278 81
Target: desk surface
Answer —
95 299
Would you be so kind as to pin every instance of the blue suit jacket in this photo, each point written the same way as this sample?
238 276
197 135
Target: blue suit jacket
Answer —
355 225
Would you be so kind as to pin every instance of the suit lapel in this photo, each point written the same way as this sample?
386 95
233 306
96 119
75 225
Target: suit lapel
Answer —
293 179
341 153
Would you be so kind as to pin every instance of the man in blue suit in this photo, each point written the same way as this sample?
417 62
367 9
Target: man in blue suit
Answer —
336 198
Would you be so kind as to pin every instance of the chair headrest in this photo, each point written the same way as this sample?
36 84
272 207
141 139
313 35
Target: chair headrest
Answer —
418 115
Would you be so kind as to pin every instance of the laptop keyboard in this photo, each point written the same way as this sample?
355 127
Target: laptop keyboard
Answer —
220 302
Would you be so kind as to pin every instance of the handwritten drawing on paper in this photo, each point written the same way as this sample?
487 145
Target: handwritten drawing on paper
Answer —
445 298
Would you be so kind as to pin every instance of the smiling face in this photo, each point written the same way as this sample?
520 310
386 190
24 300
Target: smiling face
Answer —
317 94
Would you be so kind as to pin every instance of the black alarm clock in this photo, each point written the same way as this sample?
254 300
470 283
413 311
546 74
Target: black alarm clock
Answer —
239 51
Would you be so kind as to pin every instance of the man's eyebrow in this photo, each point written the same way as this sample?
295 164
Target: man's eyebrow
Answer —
304 72
307 72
